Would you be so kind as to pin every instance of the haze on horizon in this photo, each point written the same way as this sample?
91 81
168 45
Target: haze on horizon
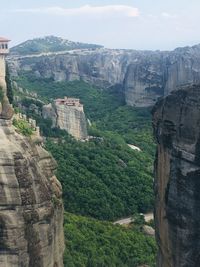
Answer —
129 24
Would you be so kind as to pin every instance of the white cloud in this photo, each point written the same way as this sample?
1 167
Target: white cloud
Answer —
122 10
168 15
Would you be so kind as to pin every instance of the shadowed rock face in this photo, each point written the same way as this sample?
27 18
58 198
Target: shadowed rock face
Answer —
144 76
176 121
6 111
31 210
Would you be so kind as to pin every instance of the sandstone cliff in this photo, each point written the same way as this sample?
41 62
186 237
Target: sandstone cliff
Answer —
31 210
6 110
69 118
144 76
176 121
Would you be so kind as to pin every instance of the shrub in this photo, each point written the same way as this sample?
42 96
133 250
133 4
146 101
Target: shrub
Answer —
23 127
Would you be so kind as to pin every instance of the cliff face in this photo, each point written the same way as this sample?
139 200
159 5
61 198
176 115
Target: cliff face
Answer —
6 110
31 211
143 75
69 118
101 67
176 121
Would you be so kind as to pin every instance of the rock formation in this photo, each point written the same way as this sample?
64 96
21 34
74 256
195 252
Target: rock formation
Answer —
176 121
31 210
144 76
67 114
6 111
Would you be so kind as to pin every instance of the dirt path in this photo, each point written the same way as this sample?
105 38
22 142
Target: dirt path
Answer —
148 217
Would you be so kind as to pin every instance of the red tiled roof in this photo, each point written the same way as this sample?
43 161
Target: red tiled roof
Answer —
2 39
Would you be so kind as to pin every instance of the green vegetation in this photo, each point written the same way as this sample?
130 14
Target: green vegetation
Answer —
9 85
103 178
91 243
23 127
97 102
133 125
49 44
1 95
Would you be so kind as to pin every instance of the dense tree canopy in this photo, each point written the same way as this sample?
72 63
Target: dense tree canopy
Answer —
91 243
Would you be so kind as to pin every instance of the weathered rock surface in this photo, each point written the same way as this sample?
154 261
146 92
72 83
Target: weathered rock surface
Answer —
31 210
102 67
144 76
69 118
6 111
176 121
148 230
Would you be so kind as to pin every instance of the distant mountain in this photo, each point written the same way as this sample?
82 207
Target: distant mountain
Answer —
49 44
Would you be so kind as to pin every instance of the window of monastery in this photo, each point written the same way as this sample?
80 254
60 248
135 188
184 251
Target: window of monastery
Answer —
3 46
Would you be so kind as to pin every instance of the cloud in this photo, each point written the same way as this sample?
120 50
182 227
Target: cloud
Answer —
122 10
168 15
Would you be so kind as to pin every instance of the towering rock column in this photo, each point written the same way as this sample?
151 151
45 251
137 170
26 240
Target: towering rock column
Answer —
31 208
6 111
176 121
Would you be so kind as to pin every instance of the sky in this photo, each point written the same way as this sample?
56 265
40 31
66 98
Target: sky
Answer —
128 24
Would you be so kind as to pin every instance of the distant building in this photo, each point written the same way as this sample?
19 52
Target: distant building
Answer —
4 46
71 102
3 52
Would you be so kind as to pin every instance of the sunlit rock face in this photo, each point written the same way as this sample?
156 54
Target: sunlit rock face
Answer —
143 76
176 121
69 118
31 210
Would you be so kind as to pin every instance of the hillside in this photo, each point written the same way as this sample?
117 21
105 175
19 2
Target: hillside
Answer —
49 44
91 243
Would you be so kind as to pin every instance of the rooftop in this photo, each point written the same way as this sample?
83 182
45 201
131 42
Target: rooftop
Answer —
2 39
69 101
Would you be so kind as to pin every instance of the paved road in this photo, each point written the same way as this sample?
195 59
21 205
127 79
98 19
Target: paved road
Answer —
147 217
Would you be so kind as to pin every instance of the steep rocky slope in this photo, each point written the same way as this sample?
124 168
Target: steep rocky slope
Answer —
69 118
176 121
144 76
31 210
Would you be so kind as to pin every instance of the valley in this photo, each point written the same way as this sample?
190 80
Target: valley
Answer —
99 133
103 178
105 165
